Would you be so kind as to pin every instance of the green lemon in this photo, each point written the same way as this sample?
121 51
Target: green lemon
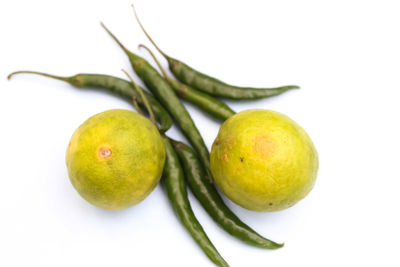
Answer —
263 161
115 159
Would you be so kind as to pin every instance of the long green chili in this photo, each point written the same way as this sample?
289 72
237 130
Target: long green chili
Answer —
166 95
174 181
212 201
213 86
113 85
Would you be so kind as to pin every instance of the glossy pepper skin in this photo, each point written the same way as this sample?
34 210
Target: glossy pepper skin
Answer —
115 86
166 95
209 104
174 181
212 201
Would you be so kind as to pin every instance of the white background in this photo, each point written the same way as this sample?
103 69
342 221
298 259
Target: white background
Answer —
344 55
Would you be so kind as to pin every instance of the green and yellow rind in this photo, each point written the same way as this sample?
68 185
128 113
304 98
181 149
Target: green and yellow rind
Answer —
263 161
132 170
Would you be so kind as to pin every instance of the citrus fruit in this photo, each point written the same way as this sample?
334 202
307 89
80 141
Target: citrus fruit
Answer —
115 159
263 161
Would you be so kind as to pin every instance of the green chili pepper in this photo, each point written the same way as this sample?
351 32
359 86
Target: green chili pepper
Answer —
116 86
174 181
166 95
210 85
207 103
213 203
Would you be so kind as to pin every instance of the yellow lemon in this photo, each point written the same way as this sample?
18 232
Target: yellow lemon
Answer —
115 159
263 161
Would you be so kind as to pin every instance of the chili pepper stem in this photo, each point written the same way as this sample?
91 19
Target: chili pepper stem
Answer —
157 62
114 37
38 73
146 102
148 36
136 105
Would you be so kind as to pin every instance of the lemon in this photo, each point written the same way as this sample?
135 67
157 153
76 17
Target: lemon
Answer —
115 159
263 161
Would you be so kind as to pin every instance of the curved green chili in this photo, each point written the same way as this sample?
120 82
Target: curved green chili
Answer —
114 85
215 87
210 85
212 201
207 103
166 95
174 181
